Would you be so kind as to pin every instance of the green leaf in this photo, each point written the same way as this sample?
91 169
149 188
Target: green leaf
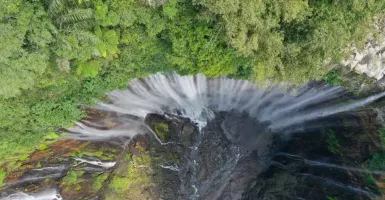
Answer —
51 136
89 69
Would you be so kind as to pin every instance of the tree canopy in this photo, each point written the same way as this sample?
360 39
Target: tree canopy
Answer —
58 54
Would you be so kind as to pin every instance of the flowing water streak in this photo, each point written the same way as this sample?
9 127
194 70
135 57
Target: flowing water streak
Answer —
324 112
36 178
96 162
340 185
330 165
197 97
49 194
170 167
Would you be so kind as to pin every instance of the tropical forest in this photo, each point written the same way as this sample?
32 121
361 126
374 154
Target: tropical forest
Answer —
192 99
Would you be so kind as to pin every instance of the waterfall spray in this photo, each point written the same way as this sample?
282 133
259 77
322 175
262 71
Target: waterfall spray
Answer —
198 98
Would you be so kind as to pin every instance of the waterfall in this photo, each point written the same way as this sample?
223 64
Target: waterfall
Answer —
198 98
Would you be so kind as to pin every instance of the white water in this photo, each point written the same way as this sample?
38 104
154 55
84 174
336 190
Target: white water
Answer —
198 98
49 194
170 167
96 162
54 168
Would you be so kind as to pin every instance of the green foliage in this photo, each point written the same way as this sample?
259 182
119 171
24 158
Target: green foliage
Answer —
43 147
382 135
72 177
102 155
89 69
378 161
21 64
52 136
13 166
333 144
78 153
291 40
17 145
170 9
105 17
331 198
109 44
333 78
135 175
370 180
72 181
98 181
57 54
3 174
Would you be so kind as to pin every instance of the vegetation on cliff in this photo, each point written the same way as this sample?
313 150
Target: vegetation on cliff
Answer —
58 54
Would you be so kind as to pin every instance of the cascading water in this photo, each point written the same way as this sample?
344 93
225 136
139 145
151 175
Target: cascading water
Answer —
223 134
196 97
252 116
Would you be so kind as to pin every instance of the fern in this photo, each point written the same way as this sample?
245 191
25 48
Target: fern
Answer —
63 43
85 36
56 6
88 69
75 15
84 25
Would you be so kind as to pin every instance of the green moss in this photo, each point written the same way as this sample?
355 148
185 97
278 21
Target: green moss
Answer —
161 129
100 154
370 180
78 187
43 147
137 174
119 184
72 177
21 147
382 135
13 166
3 174
98 181
23 157
127 156
378 161
78 153
38 165
333 143
52 136
72 181
13 146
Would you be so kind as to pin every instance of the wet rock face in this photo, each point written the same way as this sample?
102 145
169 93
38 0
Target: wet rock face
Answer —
209 165
224 168
232 158
323 164
245 131
218 163
66 169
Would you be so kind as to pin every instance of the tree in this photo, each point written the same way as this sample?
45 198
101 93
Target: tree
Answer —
23 57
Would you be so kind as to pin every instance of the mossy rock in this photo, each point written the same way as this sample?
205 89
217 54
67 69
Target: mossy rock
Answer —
131 179
161 130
